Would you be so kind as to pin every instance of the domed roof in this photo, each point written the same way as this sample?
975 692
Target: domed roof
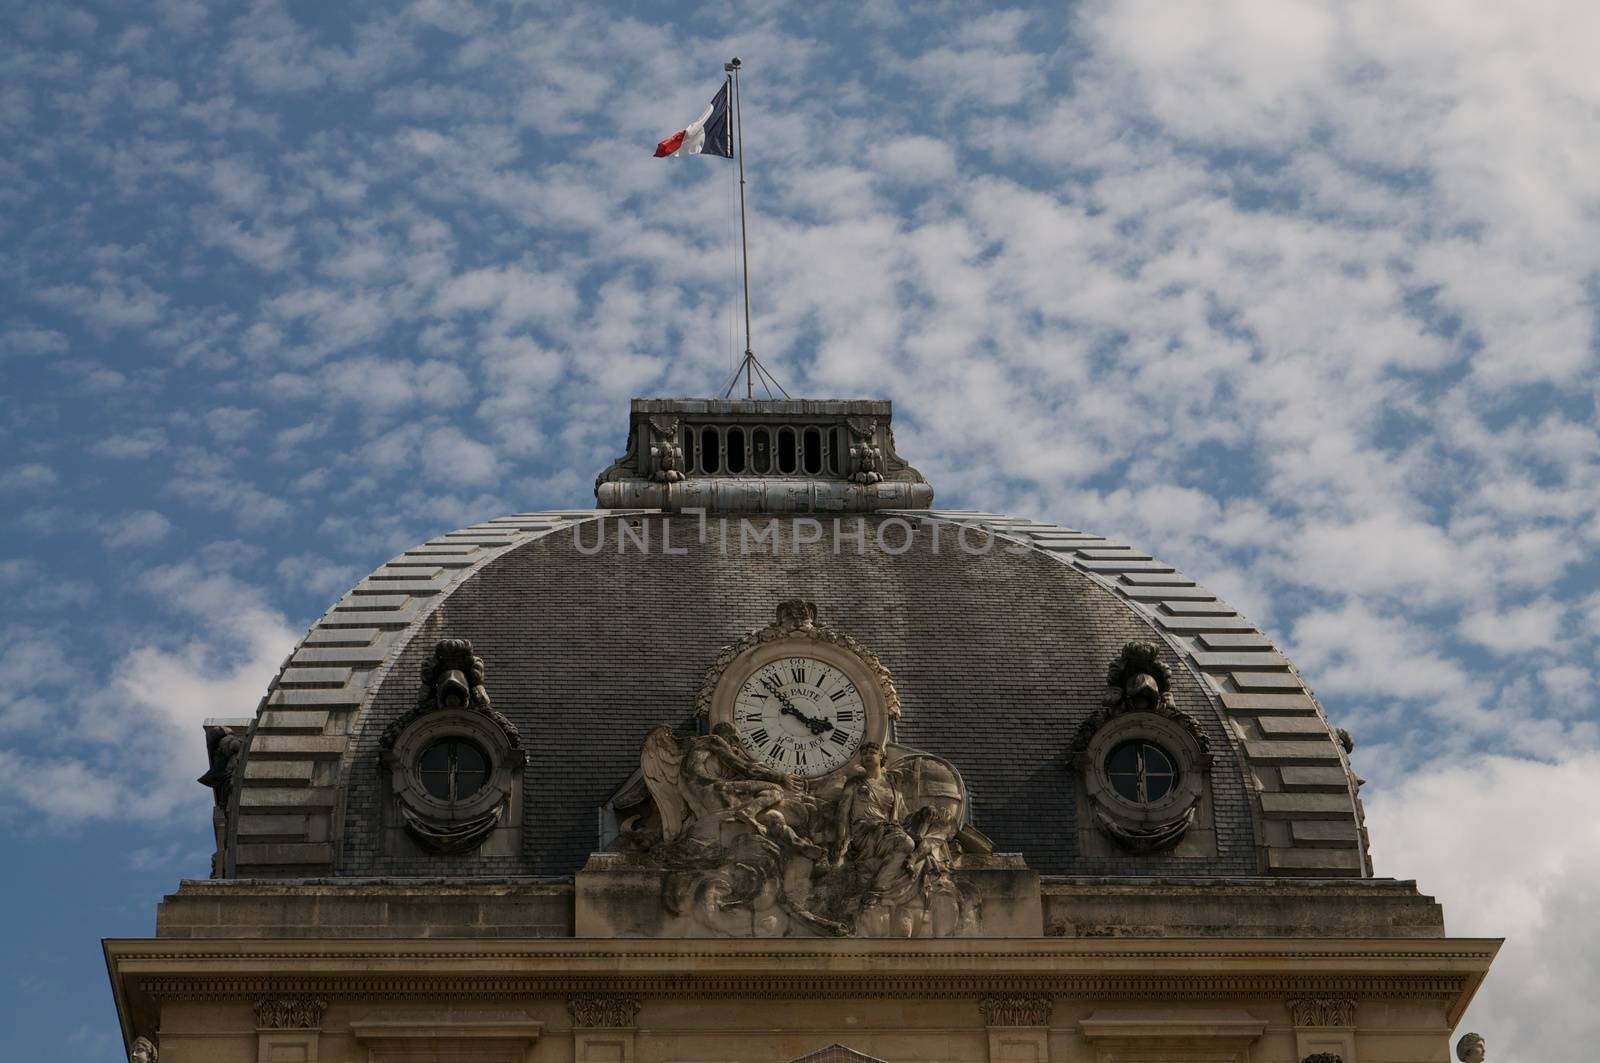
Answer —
594 626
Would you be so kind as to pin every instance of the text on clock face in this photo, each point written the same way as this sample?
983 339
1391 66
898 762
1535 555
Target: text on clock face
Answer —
800 715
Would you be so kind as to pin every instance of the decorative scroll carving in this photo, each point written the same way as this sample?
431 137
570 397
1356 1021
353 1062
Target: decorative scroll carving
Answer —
293 1013
666 456
142 1051
451 679
1015 1011
1323 1011
795 618
751 851
603 1011
1324 1057
1471 1048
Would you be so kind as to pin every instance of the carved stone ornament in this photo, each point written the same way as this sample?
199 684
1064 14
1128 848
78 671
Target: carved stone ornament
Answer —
612 1012
749 851
867 465
222 752
1471 1048
1324 1057
1015 1011
1138 706
452 702
1323 1011
142 1051
666 456
293 1013
796 619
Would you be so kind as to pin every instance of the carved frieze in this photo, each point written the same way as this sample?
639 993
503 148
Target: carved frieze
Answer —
1015 1010
1324 1057
290 1013
606 1011
1323 1011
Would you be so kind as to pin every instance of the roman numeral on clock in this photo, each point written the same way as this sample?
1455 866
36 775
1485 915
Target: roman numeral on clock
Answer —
840 738
799 674
760 736
846 716
837 694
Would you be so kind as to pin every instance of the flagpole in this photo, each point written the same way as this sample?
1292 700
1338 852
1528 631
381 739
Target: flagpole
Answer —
732 67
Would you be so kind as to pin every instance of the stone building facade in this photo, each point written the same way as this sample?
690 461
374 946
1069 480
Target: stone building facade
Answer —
766 760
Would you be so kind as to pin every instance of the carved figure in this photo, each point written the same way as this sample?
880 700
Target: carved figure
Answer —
753 852
224 748
1470 1049
866 459
142 1051
666 456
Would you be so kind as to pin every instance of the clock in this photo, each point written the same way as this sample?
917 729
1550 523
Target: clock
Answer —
803 698
800 714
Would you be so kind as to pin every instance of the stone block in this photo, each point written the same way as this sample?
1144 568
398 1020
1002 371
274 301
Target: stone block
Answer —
1191 625
1213 608
272 826
1328 778
364 656
1256 704
1308 806
372 602
343 698
1266 681
278 772
439 549
1292 726
290 721
1327 862
1169 594
1323 832
314 677
285 799
396 586
1124 566
349 636
1157 579
1220 640
311 747
424 571
1304 752
274 854
1113 553
1226 662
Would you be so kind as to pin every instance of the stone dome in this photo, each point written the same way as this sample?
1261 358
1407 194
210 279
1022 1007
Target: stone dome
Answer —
594 626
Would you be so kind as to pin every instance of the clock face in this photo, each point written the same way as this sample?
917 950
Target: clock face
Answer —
800 715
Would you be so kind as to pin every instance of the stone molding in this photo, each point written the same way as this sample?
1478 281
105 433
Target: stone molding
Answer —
1016 1010
1323 1011
610 1012
290 1013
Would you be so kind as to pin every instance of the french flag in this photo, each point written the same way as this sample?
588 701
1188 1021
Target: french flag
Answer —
710 134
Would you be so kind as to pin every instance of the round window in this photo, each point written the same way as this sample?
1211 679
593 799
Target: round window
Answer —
1141 772
453 769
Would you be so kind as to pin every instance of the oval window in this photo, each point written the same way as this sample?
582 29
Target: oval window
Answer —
453 769
736 450
813 451
761 450
1141 772
710 450
786 451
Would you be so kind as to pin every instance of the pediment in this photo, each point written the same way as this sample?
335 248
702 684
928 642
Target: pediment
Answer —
837 1053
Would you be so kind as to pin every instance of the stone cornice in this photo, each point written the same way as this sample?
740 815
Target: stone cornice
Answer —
1447 970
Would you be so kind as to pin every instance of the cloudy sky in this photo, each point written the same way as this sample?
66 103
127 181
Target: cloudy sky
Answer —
1298 295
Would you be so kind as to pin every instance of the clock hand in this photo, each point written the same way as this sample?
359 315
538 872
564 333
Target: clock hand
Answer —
786 707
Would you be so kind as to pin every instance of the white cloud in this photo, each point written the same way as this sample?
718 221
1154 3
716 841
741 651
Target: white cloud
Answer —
32 476
1511 849
139 530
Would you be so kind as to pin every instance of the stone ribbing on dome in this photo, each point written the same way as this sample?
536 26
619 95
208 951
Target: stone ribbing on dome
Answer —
282 817
1310 820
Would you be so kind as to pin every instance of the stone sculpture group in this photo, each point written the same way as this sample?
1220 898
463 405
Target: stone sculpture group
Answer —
753 851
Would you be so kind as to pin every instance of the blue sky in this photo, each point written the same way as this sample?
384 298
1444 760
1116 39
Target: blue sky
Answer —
1298 295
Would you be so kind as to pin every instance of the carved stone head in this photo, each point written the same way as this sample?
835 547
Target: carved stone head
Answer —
1470 1048
142 1051
797 612
452 677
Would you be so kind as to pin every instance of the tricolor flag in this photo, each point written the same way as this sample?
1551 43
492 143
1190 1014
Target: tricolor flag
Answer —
710 134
